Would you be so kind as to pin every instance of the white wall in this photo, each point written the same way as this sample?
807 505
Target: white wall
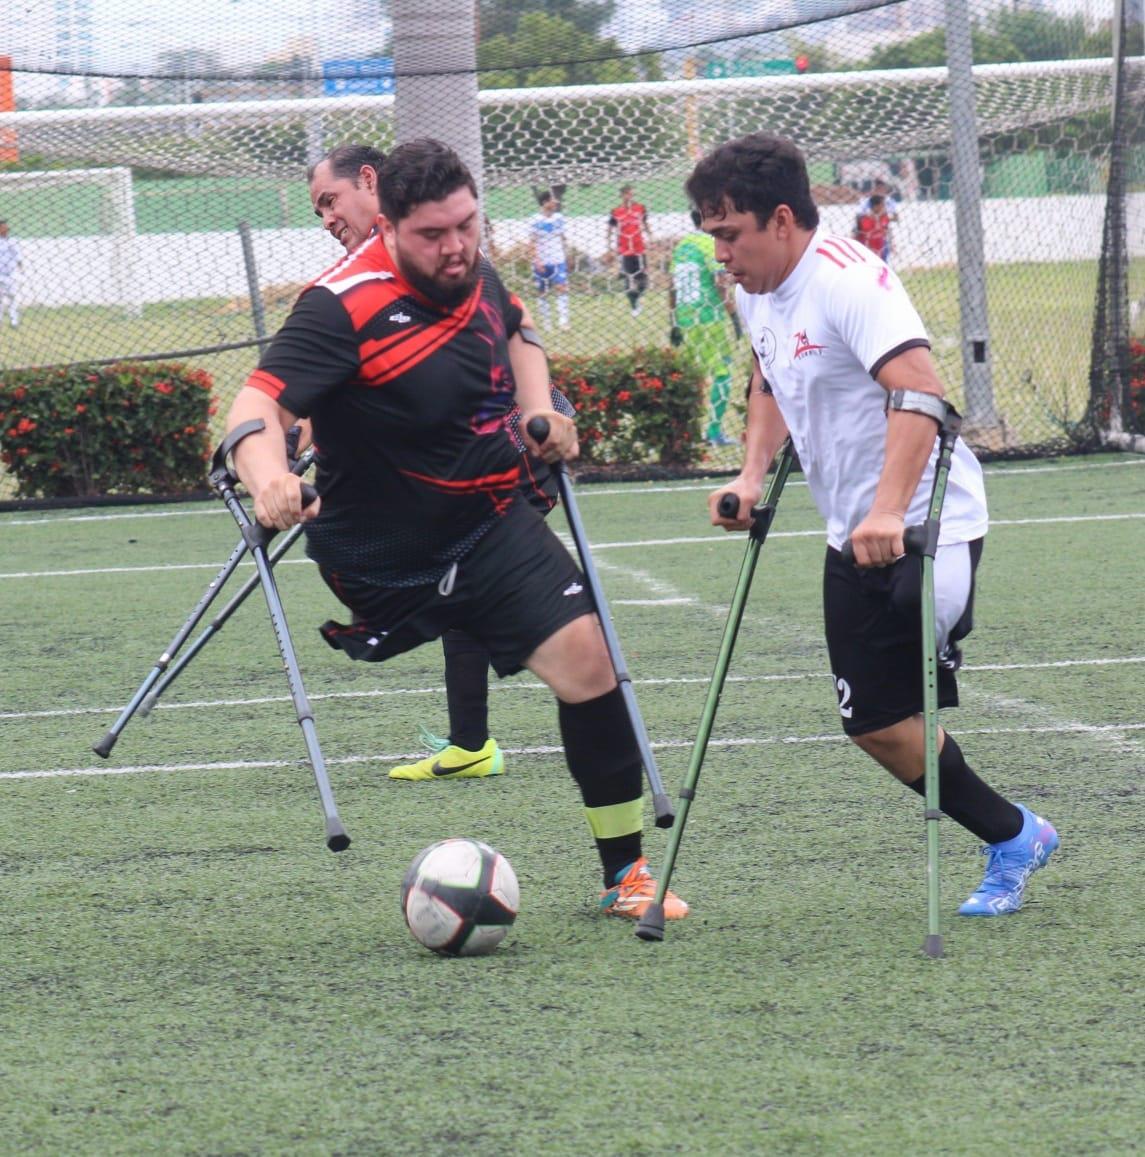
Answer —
176 266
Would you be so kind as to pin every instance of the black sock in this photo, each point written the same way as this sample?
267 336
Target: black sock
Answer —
971 801
466 689
603 758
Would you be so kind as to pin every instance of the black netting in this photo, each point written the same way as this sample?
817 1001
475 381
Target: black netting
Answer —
153 170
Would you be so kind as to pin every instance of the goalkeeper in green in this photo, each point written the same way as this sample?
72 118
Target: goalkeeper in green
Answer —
699 311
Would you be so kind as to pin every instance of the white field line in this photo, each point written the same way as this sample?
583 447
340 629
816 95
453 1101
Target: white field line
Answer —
663 745
518 685
588 491
632 544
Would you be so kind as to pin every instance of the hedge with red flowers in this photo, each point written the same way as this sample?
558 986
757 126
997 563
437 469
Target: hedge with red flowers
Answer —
1137 384
635 406
130 428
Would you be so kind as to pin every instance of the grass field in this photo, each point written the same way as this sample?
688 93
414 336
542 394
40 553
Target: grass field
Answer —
185 969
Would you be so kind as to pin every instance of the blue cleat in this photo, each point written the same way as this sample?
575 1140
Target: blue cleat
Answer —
1009 865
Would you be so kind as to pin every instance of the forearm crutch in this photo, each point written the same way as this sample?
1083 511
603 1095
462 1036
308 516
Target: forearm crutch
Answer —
148 693
651 924
256 536
538 429
922 540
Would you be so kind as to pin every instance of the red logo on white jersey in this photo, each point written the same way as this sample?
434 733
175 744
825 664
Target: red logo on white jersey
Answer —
805 348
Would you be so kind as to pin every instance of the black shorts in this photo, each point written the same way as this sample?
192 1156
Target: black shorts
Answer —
517 587
873 621
634 268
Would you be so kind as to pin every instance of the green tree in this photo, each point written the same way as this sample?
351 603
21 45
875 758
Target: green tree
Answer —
548 51
1005 36
501 17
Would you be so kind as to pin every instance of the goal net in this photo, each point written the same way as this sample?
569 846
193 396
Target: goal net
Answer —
202 249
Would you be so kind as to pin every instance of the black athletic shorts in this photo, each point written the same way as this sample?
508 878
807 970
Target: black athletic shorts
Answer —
515 588
873 621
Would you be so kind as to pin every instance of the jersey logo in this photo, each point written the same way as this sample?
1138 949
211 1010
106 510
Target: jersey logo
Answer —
805 348
399 318
767 347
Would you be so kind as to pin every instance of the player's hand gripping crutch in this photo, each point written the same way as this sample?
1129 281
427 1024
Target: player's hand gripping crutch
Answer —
148 693
256 537
651 924
922 541
538 429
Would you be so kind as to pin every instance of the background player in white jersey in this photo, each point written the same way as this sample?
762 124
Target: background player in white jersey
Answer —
834 335
9 262
550 262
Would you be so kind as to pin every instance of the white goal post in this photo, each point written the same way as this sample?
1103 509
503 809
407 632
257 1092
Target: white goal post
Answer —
91 261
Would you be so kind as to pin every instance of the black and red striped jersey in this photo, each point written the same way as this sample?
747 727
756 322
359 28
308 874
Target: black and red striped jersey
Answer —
408 402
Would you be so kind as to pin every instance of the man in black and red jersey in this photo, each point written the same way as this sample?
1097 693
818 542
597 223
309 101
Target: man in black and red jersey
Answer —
400 355
627 228
344 192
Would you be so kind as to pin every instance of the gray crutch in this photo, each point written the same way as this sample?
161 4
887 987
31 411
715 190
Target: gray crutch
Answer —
538 429
256 537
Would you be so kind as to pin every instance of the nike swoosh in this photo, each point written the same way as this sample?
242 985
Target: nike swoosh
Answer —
437 768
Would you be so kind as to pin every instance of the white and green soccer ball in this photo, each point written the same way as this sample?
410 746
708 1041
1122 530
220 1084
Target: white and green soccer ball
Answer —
460 897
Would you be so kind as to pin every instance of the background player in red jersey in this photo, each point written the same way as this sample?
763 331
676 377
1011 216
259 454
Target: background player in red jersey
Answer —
627 229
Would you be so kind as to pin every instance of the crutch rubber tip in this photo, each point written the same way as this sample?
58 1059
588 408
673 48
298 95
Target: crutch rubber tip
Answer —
104 746
665 816
933 947
337 841
651 925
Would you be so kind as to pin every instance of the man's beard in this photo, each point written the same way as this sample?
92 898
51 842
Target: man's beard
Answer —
446 296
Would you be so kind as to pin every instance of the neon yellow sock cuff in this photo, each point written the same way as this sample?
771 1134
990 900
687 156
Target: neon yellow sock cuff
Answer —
618 819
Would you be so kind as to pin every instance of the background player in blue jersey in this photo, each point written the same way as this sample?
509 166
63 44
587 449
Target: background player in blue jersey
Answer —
550 260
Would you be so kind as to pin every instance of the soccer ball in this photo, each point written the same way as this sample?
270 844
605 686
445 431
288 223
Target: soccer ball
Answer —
459 897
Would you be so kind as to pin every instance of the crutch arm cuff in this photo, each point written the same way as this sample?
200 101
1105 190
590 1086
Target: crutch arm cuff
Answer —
220 471
930 405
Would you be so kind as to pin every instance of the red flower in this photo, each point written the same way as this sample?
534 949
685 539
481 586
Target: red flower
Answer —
165 387
81 408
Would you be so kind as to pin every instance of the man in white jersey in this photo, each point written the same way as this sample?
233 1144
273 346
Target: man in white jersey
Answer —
843 366
550 263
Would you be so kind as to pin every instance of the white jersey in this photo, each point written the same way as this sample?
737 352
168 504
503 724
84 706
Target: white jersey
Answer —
820 339
548 233
9 257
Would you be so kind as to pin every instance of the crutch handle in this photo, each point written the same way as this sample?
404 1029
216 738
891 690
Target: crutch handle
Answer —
255 534
728 505
538 428
916 540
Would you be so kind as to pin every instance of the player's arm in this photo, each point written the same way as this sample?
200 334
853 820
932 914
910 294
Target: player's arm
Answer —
878 540
314 352
261 462
765 432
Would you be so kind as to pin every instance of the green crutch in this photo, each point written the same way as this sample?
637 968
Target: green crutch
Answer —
651 924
